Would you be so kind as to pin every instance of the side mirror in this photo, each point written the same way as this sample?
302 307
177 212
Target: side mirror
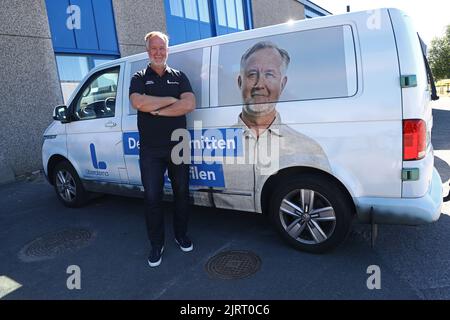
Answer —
60 113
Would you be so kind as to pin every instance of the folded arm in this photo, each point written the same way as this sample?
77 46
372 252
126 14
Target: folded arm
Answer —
184 105
146 103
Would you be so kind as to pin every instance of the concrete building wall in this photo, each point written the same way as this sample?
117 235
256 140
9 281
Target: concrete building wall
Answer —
29 82
269 12
134 19
29 85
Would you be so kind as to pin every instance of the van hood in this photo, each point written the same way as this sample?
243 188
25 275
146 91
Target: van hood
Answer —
55 128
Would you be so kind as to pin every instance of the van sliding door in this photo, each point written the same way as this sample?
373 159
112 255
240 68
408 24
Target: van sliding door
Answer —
217 144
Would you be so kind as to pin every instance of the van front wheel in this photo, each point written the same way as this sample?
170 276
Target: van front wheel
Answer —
68 186
311 213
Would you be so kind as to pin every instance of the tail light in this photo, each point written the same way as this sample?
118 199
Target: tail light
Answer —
414 139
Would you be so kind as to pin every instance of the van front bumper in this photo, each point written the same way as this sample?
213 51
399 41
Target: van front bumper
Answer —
407 211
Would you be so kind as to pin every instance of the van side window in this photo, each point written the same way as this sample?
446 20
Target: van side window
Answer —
194 63
191 62
97 98
312 64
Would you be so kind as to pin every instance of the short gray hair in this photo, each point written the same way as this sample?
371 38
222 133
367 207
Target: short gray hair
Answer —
158 34
266 45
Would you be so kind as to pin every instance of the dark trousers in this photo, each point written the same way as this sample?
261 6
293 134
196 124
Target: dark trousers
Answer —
153 164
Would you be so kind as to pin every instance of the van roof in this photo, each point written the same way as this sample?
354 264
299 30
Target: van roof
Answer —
286 27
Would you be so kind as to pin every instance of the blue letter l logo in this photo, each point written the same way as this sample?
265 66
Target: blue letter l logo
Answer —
97 165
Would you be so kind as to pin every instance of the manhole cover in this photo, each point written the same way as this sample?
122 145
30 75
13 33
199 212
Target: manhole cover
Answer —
56 243
233 265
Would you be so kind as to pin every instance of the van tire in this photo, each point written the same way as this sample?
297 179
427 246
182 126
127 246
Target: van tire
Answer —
68 186
323 230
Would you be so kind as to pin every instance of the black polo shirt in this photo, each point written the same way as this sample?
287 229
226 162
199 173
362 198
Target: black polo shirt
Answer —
155 131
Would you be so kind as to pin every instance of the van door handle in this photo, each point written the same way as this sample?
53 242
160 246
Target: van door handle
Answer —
110 124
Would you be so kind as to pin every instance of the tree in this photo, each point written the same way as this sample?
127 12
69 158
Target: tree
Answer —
439 56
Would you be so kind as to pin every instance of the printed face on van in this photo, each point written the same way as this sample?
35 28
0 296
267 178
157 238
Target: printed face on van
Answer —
262 79
157 51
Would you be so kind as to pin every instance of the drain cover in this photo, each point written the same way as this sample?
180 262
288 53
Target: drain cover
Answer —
233 265
56 243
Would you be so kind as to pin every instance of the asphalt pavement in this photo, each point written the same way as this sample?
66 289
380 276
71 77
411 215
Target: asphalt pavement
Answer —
109 248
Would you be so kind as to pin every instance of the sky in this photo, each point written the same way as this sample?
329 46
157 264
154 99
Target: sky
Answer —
430 17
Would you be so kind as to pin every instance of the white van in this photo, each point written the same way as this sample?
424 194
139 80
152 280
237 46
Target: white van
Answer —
353 126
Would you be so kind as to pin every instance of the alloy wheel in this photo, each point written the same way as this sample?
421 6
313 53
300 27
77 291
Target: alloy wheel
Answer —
66 185
307 216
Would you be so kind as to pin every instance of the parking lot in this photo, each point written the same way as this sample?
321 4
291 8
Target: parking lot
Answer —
110 247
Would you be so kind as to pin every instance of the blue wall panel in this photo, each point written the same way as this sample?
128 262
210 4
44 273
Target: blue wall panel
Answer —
86 36
205 30
97 33
62 37
105 25
176 30
192 30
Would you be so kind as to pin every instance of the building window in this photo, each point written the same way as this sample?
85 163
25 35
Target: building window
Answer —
73 68
231 13
203 9
312 10
176 8
240 15
190 7
231 16
189 20
221 12
310 13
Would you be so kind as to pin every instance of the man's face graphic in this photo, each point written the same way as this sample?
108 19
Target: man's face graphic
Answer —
262 81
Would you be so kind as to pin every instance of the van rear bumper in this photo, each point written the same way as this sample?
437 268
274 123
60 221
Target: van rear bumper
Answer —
407 211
